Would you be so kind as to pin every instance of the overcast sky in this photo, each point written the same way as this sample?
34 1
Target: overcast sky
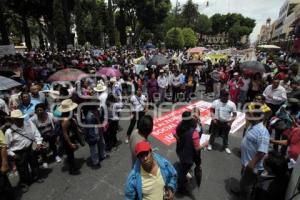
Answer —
259 10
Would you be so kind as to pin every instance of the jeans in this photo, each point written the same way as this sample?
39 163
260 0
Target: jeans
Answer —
242 97
24 159
219 128
97 150
216 88
136 116
188 93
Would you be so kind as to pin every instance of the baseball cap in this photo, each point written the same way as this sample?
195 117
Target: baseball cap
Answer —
143 146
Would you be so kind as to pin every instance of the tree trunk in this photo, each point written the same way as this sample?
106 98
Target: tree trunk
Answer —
3 30
41 40
67 19
122 27
26 33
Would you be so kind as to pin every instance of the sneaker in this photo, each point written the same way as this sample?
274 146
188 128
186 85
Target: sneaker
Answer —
126 141
45 165
209 147
189 175
57 159
227 150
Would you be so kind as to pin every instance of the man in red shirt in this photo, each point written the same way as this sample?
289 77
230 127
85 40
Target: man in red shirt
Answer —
293 142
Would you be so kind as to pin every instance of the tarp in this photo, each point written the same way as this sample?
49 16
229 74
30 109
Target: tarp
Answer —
164 126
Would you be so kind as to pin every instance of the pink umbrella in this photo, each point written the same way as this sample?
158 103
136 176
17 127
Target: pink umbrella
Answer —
109 72
68 74
197 50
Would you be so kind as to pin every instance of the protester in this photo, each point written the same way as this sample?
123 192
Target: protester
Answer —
223 114
272 184
6 189
275 95
152 177
216 76
254 147
144 129
67 108
162 84
139 109
187 148
94 134
21 137
152 87
27 105
45 123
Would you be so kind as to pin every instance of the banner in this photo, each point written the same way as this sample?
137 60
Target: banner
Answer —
165 125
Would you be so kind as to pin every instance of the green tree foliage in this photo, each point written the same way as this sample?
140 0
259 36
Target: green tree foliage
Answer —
174 38
189 14
189 37
203 24
151 13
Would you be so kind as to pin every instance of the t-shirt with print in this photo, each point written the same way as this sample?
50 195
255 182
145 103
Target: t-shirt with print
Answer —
223 111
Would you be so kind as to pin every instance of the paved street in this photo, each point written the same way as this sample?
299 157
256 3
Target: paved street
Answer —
108 182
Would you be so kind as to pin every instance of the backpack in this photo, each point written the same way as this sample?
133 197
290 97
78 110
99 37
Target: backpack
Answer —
76 132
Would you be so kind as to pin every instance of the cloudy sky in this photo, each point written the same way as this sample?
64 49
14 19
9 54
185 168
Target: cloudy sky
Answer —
259 10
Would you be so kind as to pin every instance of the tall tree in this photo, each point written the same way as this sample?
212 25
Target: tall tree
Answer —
190 14
3 25
189 37
110 26
59 25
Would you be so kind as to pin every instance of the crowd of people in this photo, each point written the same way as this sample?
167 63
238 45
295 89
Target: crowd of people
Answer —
43 120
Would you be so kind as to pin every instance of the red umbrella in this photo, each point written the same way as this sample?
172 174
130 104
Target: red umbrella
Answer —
109 72
68 74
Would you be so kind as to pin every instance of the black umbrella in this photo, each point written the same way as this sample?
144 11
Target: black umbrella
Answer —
158 60
198 175
252 66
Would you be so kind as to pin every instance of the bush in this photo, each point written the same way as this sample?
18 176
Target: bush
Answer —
189 37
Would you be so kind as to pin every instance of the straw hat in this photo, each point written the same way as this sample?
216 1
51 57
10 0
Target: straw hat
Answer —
67 106
17 114
161 71
100 87
54 94
113 79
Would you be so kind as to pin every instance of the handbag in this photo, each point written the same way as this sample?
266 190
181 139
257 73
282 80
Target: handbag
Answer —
76 133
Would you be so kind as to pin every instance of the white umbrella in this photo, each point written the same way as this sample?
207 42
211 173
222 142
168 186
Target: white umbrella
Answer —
7 83
269 46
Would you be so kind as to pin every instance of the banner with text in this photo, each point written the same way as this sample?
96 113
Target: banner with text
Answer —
164 126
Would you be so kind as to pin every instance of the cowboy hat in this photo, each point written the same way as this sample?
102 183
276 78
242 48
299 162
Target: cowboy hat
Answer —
54 94
113 79
100 87
17 114
67 106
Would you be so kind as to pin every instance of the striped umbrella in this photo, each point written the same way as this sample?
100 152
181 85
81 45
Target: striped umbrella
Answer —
7 83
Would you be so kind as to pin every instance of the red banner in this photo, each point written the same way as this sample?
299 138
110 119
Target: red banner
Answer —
164 126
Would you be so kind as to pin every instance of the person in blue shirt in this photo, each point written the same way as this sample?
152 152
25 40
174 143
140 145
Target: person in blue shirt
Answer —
254 147
27 105
152 176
